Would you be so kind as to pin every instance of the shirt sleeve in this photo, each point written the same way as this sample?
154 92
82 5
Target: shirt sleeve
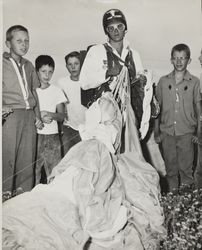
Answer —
197 94
61 98
159 92
137 61
93 72
60 84
35 79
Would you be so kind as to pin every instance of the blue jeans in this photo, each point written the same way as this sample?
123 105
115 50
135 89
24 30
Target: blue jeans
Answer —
69 138
48 154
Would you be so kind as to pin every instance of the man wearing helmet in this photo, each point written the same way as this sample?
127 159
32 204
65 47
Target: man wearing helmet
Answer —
115 27
110 70
105 62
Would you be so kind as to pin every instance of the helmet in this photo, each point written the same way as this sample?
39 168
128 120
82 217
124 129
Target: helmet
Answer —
113 14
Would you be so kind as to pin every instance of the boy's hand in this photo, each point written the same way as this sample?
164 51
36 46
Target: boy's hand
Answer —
6 111
44 113
143 79
157 137
195 139
39 124
197 136
46 118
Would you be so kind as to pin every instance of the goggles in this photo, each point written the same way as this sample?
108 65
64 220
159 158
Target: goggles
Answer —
111 28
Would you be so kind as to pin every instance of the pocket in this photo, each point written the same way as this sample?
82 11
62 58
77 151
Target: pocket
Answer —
7 117
3 121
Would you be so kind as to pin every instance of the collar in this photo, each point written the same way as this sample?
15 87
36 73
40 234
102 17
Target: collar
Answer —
125 44
7 56
187 75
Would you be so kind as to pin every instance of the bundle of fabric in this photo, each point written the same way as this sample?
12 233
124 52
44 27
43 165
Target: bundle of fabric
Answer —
95 196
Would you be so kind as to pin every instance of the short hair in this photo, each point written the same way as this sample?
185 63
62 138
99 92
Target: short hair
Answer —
44 60
73 54
181 47
14 28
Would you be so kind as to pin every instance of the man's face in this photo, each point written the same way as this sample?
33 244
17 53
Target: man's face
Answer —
19 43
180 60
116 31
73 66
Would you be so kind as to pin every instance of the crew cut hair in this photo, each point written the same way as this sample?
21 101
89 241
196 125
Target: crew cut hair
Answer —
181 47
73 54
14 28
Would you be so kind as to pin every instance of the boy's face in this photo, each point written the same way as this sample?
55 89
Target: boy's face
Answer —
73 66
45 74
116 31
200 58
180 60
19 43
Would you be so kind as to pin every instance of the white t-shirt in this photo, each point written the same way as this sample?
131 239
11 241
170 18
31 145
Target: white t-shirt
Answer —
75 110
49 98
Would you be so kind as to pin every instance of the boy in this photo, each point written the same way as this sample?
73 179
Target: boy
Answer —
75 111
51 100
20 112
178 125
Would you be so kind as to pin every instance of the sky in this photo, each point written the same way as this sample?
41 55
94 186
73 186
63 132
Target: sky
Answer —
57 27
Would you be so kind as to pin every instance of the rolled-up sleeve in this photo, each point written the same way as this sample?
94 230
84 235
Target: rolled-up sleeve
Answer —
197 94
159 92
93 72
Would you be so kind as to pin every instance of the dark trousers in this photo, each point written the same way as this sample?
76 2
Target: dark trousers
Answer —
178 152
69 138
18 150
